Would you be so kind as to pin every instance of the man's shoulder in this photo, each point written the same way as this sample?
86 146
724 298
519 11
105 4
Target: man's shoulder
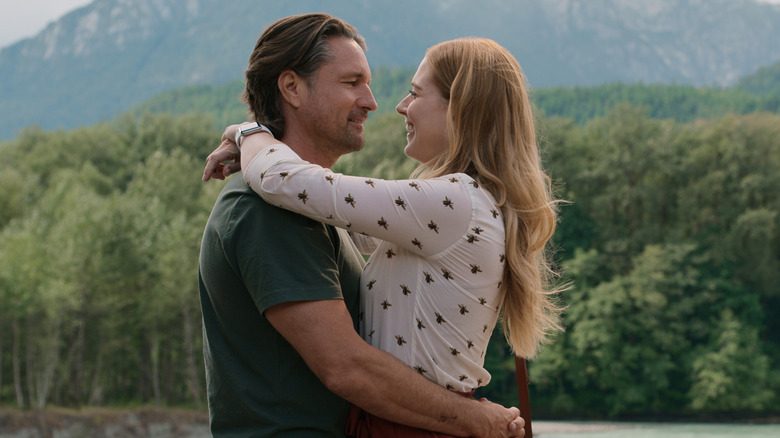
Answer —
241 209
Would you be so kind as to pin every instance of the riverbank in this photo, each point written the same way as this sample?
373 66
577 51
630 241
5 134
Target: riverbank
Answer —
180 423
104 423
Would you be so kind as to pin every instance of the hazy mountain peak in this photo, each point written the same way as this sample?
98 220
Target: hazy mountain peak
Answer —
108 25
103 58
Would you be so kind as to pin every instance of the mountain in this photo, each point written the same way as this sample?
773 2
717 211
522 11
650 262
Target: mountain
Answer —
102 59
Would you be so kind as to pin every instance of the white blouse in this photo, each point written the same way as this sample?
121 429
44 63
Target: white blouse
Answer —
430 290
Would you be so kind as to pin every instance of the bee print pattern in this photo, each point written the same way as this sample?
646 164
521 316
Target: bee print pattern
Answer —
473 237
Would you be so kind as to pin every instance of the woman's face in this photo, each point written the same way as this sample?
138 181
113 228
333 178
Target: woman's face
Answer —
425 110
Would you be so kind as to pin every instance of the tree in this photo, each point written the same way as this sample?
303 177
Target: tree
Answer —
731 375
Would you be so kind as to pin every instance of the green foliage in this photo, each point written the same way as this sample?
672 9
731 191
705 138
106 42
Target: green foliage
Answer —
670 238
98 266
764 82
731 373
672 247
678 102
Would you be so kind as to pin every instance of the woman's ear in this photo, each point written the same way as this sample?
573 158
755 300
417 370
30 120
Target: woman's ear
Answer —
291 87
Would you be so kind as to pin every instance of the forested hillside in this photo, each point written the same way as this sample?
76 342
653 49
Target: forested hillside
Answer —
765 81
683 103
670 237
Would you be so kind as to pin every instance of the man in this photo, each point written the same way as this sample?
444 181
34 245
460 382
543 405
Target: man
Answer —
279 292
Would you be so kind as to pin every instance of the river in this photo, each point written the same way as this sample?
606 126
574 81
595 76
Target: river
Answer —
544 429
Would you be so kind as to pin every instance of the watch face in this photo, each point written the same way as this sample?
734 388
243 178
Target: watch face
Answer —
249 127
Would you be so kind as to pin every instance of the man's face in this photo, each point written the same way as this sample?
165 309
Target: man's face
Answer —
339 100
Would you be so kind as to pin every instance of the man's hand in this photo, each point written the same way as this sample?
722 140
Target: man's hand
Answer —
507 421
226 158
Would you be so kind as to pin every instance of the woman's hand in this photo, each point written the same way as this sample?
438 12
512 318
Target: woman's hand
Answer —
226 158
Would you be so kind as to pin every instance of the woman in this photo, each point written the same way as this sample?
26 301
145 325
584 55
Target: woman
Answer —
455 246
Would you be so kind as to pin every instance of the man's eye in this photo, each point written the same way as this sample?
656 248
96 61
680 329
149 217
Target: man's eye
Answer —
413 94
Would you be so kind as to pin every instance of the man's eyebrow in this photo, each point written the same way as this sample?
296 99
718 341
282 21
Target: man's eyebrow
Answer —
358 75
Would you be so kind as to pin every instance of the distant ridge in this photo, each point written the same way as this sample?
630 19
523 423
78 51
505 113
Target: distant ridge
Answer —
105 58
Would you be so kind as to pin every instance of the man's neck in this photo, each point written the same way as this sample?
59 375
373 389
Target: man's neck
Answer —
306 148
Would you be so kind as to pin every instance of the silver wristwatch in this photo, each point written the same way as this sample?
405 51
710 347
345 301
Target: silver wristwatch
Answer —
248 129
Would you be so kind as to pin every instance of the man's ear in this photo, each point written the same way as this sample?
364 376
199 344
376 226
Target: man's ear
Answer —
292 88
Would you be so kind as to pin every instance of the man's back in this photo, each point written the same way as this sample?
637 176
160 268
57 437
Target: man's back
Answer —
254 256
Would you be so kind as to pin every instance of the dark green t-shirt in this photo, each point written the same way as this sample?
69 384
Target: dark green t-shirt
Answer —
254 256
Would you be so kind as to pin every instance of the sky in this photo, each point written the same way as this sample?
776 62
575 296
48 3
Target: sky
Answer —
21 19
25 18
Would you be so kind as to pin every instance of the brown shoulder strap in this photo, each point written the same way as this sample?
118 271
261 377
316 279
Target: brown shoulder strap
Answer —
525 398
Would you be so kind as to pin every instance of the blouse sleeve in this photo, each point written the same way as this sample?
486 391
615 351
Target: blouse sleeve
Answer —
425 216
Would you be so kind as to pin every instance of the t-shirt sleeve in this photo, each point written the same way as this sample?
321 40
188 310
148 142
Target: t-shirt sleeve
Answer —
425 216
283 256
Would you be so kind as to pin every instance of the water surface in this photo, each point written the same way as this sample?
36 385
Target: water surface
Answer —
544 429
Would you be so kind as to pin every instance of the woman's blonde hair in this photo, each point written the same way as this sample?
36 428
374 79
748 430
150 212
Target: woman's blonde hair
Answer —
490 129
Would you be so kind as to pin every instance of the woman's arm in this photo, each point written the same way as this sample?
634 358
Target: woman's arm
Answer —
225 160
425 216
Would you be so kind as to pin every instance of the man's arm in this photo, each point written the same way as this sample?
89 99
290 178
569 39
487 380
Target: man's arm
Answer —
323 334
